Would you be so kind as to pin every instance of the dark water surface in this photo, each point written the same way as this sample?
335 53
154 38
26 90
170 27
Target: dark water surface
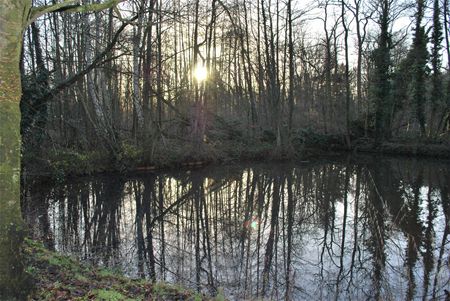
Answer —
369 229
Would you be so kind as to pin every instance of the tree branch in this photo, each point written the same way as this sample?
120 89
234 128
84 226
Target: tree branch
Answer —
70 6
97 60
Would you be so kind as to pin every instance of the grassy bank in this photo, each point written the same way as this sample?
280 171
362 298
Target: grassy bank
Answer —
58 277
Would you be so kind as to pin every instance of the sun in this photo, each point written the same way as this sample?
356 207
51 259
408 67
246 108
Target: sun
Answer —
200 72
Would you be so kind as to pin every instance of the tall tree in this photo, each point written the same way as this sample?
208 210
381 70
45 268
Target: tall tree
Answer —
147 69
381 87
291 64
15 16
347 74
138 118
328 67
361 22
420 64
436 63
446 13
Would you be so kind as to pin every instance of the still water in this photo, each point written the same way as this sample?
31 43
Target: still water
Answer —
372 228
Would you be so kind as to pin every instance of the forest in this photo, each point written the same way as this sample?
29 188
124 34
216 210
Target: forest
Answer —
150 82
111 109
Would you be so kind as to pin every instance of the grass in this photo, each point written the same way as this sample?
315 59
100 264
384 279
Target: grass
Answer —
58 277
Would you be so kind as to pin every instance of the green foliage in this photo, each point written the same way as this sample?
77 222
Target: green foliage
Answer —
62 163
68 161
128 156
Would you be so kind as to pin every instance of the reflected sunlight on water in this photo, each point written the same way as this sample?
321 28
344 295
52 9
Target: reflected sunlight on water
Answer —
375 229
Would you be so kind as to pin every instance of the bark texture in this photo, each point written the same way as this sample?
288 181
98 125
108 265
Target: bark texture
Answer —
13 16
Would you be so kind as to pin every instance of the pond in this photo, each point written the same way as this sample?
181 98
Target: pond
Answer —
343 229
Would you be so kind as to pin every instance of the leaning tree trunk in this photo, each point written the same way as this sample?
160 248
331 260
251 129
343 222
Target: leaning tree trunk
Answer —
13 16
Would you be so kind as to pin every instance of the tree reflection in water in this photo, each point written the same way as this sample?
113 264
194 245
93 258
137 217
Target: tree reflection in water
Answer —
372 229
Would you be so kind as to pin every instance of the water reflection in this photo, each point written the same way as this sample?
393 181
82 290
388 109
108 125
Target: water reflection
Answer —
376 229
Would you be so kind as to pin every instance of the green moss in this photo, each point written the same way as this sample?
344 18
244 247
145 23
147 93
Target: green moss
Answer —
109 273
59 277
60 261
197 297
108 295
81 278
162 290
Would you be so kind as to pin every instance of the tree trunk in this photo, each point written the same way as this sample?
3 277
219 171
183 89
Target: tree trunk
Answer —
381 81
347 77
291 66
446 122
159 84
327 73
15 15
359 60
147 69
12 277
137 106
419 67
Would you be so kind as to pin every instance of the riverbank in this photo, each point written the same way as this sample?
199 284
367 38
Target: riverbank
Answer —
58 277
62 163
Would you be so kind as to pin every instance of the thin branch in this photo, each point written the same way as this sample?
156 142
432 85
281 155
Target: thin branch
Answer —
97 60
70 6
